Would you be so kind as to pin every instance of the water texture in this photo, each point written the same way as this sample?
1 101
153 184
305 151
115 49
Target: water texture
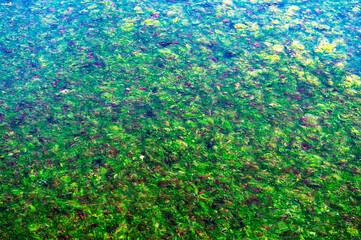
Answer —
180 119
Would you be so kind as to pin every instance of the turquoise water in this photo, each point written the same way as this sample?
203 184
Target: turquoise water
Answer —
180 119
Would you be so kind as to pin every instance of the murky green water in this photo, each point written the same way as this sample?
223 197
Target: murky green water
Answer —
180 119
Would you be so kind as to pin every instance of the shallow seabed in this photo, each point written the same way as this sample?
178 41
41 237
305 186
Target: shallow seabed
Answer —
180 119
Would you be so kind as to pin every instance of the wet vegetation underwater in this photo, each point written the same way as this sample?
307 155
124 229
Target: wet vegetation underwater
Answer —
180 119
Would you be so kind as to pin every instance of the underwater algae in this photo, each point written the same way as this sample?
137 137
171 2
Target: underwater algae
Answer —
180 119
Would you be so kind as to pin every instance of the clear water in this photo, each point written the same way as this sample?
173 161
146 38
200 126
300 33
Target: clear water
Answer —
180 119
